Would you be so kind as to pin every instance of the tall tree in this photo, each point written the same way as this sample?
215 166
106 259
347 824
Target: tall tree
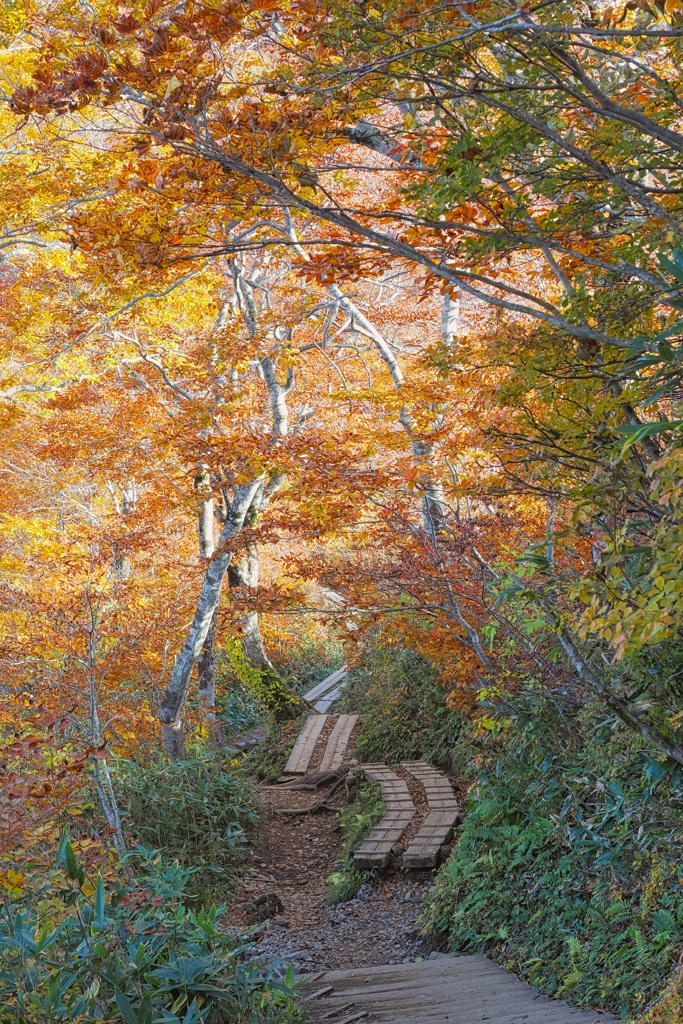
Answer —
526 159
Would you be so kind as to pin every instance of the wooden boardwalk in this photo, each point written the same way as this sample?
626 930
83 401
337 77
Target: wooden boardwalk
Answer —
437 829
324 693
302 759
302 752
426 848
322 696
399 812
338 742
451 989
446 989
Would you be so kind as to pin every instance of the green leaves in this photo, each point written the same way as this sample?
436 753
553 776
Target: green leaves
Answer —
558 842
198 810
67 857
674 266
145 961
129 1014
99 902
636 432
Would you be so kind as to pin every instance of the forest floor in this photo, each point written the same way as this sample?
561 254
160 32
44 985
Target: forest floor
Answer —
284 896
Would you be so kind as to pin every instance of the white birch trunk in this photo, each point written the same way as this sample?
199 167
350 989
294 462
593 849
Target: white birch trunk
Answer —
205 528
206 675
245 574
173 700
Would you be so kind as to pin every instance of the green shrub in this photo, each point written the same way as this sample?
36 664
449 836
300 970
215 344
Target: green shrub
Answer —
310 661
126 953
199 811
269 758
567 866
237 709
237 704
356 821
405 716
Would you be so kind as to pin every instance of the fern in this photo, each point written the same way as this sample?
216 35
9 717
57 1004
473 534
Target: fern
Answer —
490 811
578 954
664 921
642 947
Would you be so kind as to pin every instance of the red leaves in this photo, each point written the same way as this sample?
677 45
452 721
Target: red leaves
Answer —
106 35
127 24
159 42
73 87
96 753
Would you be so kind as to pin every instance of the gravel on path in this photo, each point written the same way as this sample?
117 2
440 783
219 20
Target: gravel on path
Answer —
283 897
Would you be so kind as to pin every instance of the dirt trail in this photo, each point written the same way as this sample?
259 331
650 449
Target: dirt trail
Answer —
286 893
351 952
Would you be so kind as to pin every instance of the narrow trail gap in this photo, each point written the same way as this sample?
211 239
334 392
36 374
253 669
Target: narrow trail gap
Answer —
287 884
364 960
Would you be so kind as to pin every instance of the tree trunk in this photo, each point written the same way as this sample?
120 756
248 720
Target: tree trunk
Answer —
205 528
206 672
173 700
434 506
206 663
273 692
246 501
202 483
450 320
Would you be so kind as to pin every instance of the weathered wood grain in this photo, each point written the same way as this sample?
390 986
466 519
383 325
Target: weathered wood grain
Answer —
323 687
375 852
451 989
327 700
437 828
338 743
302 752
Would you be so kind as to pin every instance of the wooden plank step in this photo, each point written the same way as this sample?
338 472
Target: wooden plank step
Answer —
451 989
399 812
302 752
329 683
338 742
437 828
323 705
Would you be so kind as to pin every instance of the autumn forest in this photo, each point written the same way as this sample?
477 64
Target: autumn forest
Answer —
338 333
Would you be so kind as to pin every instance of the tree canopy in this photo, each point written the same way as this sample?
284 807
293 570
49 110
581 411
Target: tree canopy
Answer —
384 299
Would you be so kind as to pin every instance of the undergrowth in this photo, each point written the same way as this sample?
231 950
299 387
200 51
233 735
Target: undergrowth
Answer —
126 949
669 1009
567 866
404 714
268 759
310 661
199 811
237 709
356 821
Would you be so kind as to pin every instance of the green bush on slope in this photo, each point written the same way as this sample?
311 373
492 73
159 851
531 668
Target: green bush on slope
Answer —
127 951
567 866
404 712
199 811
